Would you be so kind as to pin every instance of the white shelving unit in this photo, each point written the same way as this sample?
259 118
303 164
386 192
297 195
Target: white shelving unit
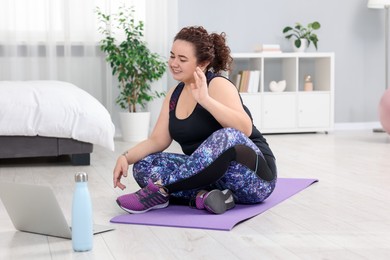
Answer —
293 110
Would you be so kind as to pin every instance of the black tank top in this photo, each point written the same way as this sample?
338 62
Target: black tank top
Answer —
197 127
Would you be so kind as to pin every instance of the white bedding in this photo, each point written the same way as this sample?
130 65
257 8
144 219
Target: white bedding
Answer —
53 109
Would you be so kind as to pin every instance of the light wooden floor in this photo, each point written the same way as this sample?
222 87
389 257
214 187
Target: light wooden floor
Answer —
346 215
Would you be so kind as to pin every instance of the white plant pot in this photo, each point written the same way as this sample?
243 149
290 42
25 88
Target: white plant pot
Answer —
134 126
303 47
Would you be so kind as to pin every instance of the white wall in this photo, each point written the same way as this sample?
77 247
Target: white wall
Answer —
349 29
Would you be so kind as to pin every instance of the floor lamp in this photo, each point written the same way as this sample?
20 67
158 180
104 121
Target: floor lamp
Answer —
383 4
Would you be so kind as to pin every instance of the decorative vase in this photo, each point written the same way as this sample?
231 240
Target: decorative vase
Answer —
134 126
308 86
279 86
302 48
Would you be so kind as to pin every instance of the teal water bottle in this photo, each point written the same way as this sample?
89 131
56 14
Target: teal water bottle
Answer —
82 222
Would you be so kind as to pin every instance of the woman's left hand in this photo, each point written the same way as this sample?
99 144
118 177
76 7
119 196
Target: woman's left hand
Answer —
199 89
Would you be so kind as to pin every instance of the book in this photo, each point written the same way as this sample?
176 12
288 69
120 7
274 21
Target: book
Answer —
273 48
253 85
248 81
244 81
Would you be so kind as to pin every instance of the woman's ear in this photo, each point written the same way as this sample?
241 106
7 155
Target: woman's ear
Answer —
203 66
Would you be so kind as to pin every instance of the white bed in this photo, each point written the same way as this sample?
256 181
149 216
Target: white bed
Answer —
52 112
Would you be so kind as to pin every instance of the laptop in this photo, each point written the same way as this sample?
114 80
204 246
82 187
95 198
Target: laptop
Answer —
35 209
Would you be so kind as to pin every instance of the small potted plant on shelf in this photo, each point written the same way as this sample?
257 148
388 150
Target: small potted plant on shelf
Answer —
303 35
134 65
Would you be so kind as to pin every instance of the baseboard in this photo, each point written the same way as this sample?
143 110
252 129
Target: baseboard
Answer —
337 127
357 126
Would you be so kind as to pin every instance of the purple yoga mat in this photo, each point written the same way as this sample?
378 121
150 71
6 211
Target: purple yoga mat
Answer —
186 217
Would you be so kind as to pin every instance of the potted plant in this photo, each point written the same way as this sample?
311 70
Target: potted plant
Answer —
134 65
303 35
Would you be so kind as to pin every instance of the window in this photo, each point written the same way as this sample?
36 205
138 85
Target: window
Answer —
56 20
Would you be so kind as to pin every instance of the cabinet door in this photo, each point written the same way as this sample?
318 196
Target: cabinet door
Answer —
253 102
314 109
279 111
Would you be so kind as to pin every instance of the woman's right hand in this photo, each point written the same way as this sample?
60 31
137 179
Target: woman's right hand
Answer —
121 169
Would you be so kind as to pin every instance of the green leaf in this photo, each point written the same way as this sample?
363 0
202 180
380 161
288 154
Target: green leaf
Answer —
297 43
286 29
316 25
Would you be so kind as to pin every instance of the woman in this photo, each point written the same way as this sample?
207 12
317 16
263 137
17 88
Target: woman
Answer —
226 160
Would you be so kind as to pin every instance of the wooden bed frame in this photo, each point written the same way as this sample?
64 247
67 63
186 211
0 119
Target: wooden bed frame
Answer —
38 146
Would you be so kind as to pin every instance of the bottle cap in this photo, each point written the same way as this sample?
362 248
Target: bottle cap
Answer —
81 177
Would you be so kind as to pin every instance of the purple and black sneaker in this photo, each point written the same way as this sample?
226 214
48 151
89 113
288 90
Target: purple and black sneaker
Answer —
215 201
148 198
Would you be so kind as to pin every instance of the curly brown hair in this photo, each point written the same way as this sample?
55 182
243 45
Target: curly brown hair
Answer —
210 48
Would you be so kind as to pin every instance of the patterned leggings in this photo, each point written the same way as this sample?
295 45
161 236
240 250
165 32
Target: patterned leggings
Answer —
180 170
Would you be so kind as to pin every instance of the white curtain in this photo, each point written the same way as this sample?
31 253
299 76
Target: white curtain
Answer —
58 40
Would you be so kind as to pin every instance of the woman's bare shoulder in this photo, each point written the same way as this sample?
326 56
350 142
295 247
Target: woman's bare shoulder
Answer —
222 84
